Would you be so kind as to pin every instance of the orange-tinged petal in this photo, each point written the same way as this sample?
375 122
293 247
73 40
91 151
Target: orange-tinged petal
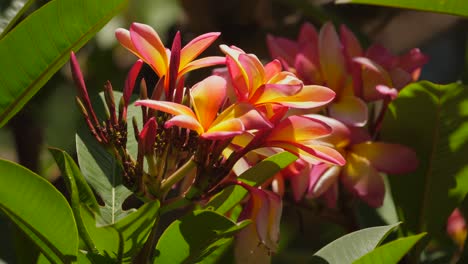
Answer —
361 178
310 96
273 93
244 112
314 154
332 61
167 107
238 75
202 63
386 157
254 70
299 128
225 129
207 97
350 110
123 36
325 180
150 47
185 121
196 46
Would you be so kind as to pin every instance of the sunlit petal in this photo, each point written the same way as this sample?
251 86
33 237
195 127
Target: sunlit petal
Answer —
196 46
372 75
167 107
150 47
272 68
340 135
202 63
207 97
185 121
326 180
332 61
350 110
299 128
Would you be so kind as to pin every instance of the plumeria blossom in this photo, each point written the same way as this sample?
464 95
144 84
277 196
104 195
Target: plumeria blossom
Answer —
207 97
339 62
365 161
269 85
145 43
264 208
456 228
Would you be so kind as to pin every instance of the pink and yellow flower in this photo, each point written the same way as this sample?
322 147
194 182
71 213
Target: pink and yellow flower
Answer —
264 86
207 98
146 44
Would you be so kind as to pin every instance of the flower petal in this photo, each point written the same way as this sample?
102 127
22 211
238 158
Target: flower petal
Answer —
185 121
167 107
130 82
150 47
386 157
314 154
340 135
202 63
123 36
272 68
325 181
361 178
245 113
372 75
310 96
308 43
350 110
299 128
332 61
282 48
196 46
207 97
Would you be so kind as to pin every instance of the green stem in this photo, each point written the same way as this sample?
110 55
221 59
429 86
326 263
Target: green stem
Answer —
146 253
177 176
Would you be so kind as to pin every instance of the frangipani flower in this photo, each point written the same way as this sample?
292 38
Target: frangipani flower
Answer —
339 62
365 161
264 208
146 44
263 85
207 97
456 228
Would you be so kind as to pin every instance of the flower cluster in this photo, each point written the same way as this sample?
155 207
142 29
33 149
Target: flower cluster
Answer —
311 100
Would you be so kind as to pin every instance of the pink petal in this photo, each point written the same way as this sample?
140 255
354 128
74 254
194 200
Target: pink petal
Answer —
123 36
381 56
223 130
412 60
167 107
254 71
246 113
238 75
392 93
310 96
272 68
326 180
131 80
340 135
207 97
147 137
386 157
196 47
313 154
282 48
202 63
150 47
372 75
308 43
300 180
400 78
307 71
299 128
349 110
185 121
332 61
351 45
361 178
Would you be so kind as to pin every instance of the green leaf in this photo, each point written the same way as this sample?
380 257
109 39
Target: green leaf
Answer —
12 14
433 120
35 49
40 211
122 240
391 252
101 170
255 176
79 190
195 236
351 247
453 7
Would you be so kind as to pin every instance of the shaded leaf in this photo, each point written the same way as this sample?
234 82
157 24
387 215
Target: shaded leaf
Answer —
35 49
122 240
453 7
22 195
255 176
351 247
197 235
391 252
433 120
